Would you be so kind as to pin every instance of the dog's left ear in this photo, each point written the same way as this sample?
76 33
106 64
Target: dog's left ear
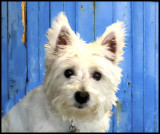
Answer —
113 41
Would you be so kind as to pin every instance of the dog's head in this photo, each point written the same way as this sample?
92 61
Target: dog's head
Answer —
81 79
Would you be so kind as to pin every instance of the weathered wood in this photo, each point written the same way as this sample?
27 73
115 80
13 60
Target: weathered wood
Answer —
55 8
137 66
149 65
4 58
70 10
32 45
43 27
85 20
23 5
16 54
156 118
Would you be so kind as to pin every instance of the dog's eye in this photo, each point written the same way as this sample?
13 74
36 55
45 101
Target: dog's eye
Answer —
97 76
68 73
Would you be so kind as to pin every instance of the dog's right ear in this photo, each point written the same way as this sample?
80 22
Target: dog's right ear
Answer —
61 34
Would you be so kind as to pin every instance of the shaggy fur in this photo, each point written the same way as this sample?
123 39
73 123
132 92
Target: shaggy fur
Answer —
52 106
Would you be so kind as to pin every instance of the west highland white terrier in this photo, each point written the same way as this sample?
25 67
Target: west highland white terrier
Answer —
80 84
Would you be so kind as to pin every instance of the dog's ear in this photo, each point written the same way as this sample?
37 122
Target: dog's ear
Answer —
113 41
63 37
61 34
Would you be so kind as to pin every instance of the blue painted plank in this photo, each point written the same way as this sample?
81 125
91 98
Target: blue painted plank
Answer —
17 53
11 38
55 9
4 52
102 8
70 10
157 71
85 20
149 66
22 67
43 27
122 121
32 45
137 66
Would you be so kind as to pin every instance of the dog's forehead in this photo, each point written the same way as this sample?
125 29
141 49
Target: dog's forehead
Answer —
87 49
85 56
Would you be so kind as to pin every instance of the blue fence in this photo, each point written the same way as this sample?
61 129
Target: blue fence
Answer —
23 64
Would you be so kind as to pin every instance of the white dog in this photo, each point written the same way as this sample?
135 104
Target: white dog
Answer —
79 87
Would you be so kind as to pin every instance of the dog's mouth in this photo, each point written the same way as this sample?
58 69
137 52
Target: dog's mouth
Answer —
80 106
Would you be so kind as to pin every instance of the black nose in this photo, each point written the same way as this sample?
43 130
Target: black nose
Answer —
81 96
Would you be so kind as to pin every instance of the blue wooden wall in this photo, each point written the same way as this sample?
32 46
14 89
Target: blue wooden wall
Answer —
23 64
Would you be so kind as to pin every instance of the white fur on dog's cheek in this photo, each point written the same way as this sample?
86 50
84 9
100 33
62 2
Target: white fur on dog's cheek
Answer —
105 95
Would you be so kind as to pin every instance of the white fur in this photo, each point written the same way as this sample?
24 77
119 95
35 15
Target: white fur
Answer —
51 107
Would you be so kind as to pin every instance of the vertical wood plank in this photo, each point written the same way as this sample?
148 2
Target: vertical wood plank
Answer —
32 45
22 67
85 20
137 67
157 71
70 10
4 58
17 53
149 66
102 8
149 96
43 27
122 121
55 9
